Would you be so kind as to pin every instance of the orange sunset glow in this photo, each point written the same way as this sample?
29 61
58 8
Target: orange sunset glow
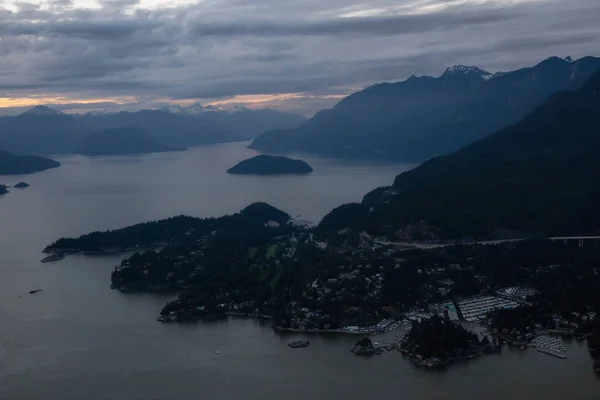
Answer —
34 101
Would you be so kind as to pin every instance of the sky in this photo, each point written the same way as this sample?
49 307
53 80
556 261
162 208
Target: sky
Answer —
293 55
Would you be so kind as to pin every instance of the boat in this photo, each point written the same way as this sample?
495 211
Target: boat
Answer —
299 343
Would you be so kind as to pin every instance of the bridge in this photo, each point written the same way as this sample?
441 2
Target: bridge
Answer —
580 239
427 246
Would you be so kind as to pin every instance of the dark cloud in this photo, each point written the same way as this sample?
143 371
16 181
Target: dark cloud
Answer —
119 4
549 40
385 26
82 29
221 48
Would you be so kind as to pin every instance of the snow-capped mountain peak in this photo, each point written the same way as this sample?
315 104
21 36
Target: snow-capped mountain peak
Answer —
42 110
465 70
192 109
177 109
235 109
98 113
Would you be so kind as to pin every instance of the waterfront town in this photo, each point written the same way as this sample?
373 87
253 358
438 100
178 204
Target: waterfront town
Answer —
260 264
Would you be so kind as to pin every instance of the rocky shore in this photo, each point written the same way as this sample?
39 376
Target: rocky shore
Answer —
281 329
53 257
169 318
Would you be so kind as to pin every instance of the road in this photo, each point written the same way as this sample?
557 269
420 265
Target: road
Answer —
427 246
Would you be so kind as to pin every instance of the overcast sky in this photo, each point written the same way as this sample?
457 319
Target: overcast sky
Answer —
299 55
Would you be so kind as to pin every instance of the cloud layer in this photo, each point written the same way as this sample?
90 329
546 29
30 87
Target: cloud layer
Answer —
155 49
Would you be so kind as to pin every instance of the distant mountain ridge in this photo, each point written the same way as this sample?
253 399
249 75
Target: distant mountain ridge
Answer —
43 130
193 109
538 175
243 121
422 117
170 129
118 141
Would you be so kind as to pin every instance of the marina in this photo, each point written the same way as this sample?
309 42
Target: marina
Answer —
478 307
549 345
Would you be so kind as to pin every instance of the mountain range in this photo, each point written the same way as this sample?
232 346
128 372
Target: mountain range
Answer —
241 120
538 175
116 141
42 130
423 117
173 130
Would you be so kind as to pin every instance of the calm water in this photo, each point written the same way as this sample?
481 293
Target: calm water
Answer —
79 340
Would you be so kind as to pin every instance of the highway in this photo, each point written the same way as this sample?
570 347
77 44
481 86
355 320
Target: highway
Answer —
426 246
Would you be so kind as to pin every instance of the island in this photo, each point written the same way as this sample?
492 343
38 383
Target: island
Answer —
364 347
299 344
22 185
122 141
12 164
270 165
3 189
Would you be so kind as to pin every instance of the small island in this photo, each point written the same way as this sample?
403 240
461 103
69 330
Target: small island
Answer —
122 141
3 189
12 164
364 347
270 165
299 344
22 185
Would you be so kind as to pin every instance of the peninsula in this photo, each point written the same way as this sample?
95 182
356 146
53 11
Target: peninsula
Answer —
258 263
12 164
270 165
436 342
372 267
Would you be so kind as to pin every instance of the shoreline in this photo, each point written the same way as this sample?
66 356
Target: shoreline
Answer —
67 251
168 319
442 363
551 353
295 330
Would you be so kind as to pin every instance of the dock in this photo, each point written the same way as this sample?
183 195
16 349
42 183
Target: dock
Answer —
549 345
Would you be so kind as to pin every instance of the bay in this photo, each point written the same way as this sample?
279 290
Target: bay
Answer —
77 339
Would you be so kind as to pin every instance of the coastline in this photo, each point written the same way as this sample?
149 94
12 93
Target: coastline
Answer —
49 250
57 254
438 363
175 319
551 353
281 329
208 317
